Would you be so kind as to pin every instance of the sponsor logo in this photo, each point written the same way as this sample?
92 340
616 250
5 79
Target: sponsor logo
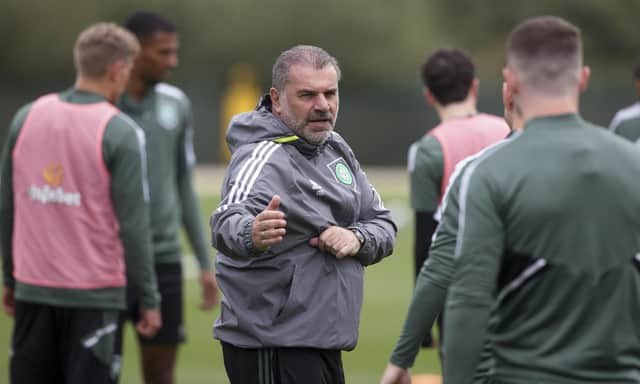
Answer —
52 174
341 172
52 192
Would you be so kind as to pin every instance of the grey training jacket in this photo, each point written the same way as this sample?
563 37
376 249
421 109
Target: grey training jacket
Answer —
293 295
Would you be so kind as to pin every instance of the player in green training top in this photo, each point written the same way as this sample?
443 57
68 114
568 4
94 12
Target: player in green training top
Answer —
549 234
626 121
451 88
164 113
436 273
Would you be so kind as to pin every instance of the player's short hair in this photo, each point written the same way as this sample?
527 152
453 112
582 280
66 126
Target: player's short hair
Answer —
144 23
100 45
307 55
448 74
546 52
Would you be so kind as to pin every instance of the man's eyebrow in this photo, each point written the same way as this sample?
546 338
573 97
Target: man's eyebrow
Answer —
313 91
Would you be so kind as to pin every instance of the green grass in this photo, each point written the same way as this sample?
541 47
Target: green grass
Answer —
388 288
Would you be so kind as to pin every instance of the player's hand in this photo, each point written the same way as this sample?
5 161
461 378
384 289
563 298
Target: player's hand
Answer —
395 375
269 226
9 301
209 290
149 323
338 241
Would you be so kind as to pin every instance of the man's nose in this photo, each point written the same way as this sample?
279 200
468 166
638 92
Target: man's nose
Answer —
173 61
321 104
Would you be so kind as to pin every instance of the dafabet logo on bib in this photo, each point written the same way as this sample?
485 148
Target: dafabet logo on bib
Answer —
51 191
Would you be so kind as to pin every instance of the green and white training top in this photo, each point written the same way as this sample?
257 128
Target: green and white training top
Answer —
436 274
626 122
547 259
165 116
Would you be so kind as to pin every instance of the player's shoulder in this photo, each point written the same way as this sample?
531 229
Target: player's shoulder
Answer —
121 127
631 112
428 146
22 113
495 159
169 91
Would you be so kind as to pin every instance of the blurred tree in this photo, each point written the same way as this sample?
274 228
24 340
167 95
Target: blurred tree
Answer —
379 44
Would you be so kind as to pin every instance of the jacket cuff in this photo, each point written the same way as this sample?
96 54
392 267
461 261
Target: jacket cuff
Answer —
366 247
247 241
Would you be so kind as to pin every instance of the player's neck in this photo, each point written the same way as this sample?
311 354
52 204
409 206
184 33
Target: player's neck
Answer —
137 88
534 106
461 110
98 87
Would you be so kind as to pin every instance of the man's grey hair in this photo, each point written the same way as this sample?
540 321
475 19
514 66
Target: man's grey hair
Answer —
306 55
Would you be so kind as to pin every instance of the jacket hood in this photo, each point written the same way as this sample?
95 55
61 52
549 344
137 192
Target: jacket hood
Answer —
256 126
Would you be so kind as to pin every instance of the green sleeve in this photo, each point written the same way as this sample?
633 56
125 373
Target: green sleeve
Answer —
125 157
432 283
478 254
6 196
426 165
188 199
629 129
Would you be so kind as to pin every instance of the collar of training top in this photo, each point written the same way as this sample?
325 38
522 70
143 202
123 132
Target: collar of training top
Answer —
306 148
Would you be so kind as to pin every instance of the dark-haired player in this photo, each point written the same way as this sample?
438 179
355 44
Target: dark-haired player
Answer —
451 88
164 113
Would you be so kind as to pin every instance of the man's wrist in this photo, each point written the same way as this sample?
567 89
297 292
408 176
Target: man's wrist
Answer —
359 236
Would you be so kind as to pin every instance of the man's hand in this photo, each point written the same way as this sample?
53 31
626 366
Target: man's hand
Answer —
269 226
149 323
338 241
395 375
209 290
9 301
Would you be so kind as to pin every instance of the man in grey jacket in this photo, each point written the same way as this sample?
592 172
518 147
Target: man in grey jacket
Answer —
297 223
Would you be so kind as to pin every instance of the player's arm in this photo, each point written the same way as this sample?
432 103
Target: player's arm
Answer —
125 158
191 219
6 208
426 165
432 282
188 199
479 252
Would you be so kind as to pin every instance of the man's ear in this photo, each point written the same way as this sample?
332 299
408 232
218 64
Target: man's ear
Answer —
507 97
429 98
276 105
475 87
114 70
585 74
511 81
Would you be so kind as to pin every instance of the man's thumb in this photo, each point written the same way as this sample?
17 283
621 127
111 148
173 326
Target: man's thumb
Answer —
274 204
